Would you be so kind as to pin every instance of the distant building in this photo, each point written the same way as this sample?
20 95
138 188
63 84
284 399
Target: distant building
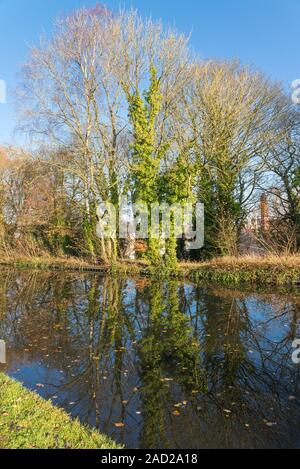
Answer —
267 213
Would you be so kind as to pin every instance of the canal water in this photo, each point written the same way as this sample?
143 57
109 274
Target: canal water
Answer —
157 364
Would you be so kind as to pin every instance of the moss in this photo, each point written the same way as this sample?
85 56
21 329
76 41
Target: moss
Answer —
254 276
28 421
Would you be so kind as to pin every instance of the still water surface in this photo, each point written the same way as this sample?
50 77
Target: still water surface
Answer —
157 364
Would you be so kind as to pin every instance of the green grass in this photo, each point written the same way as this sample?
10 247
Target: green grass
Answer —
253 276
252 270
243 270
29 422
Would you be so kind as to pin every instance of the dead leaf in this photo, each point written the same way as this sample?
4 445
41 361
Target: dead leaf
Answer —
227 411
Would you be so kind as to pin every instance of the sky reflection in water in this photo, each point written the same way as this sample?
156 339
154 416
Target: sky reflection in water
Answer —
157 364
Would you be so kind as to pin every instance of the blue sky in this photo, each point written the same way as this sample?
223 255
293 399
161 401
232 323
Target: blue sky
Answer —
263 33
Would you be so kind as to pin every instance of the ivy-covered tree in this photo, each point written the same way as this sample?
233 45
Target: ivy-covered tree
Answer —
146 153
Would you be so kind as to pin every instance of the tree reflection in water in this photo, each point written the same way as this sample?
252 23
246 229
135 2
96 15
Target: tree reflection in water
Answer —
172 364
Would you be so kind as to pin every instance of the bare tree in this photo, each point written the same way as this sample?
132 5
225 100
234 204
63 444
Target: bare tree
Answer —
281 182
233 116
75 97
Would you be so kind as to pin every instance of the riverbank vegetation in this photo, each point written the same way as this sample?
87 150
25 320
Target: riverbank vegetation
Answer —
251 270
28 422
116 106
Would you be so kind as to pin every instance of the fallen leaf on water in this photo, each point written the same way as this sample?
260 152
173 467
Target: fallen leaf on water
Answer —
39 385
119 425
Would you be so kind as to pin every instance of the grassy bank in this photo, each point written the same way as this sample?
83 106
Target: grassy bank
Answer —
271 270
27 422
